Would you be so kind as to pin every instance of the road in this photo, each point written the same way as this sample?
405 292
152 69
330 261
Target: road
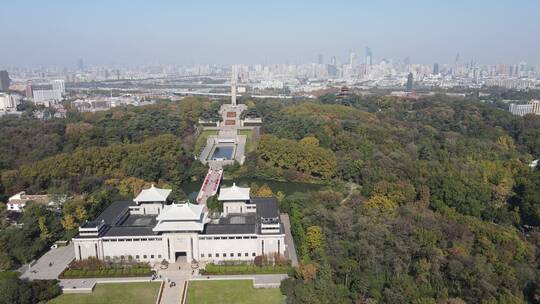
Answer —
289 241
51 264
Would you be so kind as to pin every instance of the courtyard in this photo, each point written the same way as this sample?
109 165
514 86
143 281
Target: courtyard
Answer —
114 293
231 291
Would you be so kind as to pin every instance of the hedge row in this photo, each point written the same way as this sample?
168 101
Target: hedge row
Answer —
106 273
245 269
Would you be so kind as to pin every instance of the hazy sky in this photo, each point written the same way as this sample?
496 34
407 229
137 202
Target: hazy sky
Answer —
55 32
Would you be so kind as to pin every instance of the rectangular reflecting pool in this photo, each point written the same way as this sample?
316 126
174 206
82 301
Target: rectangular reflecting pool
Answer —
223 153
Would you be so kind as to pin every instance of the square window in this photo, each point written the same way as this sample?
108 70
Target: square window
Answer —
239 254
122 257
217 255
232 255
209 255
159 256
202 255
246 254
137 256
144 256
254 254
151 256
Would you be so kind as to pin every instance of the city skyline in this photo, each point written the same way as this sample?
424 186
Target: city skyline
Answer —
164 32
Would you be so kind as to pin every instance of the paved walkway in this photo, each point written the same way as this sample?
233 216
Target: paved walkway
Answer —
88 283
51 264
179 273
290 251
210 185
205 154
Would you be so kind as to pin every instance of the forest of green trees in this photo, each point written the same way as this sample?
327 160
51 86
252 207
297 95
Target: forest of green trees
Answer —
444 207
93 159
447 209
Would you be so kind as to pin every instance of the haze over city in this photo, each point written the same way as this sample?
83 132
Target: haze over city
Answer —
250 32
270 152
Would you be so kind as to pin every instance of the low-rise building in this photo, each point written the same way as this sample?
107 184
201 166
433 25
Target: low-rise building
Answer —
151 228
532 107
18 201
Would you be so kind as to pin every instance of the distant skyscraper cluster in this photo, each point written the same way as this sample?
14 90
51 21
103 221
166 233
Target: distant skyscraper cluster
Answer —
326 70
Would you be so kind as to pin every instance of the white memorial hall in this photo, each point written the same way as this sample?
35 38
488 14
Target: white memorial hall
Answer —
151 228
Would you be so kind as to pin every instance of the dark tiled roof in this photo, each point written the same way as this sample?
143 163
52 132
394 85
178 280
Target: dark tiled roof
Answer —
229 229
112 212
234 219
119 223
135 220
267 207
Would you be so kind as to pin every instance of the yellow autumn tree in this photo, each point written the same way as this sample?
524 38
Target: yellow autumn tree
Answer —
309 141
380 203
131 186
68 222
45 232
314 237
263 191
280 196
81 214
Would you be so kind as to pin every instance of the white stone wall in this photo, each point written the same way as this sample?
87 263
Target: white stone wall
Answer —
86 248
210 248
220 247
238 207
147 208
146 249
272 244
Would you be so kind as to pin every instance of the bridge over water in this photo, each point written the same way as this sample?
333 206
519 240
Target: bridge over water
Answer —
210 185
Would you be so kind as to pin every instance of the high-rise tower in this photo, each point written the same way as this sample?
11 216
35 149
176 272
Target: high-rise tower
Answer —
410 82
80 64
234 78
369 56
352 58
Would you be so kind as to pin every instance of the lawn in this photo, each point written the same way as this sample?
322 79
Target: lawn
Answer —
250 142
201 140
231 291
113 293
